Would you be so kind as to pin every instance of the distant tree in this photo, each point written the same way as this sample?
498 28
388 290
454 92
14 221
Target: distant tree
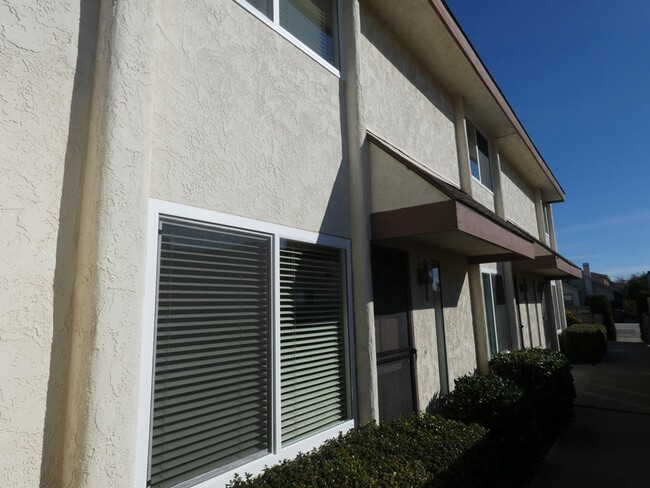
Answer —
635 283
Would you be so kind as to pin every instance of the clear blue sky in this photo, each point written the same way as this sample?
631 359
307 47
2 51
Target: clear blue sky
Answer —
577 74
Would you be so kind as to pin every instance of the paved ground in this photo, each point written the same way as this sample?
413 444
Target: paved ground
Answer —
608 442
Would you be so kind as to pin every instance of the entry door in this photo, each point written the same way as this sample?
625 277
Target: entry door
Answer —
395 352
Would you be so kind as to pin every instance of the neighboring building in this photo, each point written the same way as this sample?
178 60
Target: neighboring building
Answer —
576 290
234 229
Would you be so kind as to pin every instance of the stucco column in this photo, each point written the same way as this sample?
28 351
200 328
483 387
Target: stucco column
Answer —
478 317
102 406
358 164
539 214
461 146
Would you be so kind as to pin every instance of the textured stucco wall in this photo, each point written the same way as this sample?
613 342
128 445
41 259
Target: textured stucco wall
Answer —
482 195
530 307
403 103
394 186
245 122
46 57
518 199
457 312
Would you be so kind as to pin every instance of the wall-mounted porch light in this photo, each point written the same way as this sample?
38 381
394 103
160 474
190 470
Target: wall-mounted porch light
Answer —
425 276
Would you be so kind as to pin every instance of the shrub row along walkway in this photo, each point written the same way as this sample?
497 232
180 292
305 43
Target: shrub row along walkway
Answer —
608 442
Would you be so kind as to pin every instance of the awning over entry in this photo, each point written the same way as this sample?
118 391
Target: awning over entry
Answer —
548 263
409 203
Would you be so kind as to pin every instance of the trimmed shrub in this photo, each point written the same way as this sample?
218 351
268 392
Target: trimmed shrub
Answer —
545 377
584 343
571 318
423 450
491 401
599 304
499 405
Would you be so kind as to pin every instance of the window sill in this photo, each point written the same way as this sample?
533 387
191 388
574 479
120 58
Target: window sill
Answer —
290 37
480 183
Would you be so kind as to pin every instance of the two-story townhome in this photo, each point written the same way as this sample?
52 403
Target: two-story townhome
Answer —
236 228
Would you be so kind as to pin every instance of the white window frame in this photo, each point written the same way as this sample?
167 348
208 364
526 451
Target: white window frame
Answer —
274 23
492 273
478 180
160 208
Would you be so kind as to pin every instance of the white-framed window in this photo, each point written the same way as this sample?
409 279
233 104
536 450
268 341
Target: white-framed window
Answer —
249 345
311 24
479 155
496 319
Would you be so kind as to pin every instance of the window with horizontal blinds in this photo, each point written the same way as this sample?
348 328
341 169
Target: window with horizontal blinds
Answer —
211 374
314 22
312 335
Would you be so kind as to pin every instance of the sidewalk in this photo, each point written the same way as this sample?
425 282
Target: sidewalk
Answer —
608 442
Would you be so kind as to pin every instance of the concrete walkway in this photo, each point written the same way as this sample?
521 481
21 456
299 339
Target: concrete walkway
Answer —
608 442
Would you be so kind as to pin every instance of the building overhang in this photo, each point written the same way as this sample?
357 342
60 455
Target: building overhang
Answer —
455 227
409 203
549 264
429 30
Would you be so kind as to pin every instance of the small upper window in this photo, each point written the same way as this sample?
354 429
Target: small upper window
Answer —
479 155
312 22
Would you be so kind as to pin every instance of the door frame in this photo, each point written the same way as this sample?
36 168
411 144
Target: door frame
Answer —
411 352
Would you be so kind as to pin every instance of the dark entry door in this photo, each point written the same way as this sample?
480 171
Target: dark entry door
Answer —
393 335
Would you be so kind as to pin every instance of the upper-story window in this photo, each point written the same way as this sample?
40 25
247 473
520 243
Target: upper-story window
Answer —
314 23
479 155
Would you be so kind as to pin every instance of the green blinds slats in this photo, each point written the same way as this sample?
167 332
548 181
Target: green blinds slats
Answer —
211 387
314 22
312 328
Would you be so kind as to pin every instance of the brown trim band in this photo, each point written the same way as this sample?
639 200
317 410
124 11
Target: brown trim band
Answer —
449 216
561 267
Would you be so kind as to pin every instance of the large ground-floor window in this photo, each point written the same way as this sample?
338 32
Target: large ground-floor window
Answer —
251 347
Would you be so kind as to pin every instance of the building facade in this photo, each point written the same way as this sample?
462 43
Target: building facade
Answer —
236 228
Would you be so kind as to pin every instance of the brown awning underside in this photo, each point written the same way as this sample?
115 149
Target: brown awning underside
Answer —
456 227
553 266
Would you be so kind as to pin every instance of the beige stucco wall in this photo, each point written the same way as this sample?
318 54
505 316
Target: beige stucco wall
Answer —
518 199
402 102
43 46
531 311
482 194
394 186
245 122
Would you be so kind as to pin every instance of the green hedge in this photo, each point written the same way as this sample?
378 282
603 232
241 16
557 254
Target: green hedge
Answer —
584 343
491 401
601 305
499 405
423 450
545 377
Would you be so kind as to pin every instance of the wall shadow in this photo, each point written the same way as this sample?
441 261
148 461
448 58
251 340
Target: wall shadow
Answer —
66 249
409 66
